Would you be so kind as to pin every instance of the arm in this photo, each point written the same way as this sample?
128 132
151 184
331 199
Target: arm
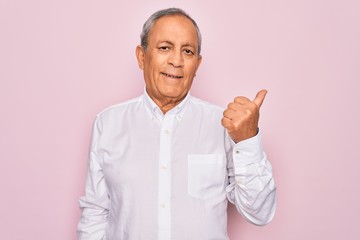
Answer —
252 188
95 203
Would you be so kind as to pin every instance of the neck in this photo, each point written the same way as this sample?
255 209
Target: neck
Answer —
166 104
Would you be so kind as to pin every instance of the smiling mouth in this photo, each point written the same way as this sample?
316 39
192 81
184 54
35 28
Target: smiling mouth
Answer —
171 76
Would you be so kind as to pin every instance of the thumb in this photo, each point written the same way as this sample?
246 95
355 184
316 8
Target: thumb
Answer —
260 96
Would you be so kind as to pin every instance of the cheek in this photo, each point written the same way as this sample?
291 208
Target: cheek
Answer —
158 61
191 71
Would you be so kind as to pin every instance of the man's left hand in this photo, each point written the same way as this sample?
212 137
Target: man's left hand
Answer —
242 116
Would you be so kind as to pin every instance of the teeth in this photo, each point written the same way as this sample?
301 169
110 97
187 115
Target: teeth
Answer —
168 75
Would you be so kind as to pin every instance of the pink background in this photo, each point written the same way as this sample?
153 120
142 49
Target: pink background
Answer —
61 62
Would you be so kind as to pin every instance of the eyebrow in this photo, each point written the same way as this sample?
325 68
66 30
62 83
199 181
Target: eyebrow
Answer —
172 44
168 42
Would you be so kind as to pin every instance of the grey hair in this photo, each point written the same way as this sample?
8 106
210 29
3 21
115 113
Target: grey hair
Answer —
162 13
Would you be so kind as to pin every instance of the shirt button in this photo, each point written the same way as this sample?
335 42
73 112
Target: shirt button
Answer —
164 167
163 205
237 151
167 131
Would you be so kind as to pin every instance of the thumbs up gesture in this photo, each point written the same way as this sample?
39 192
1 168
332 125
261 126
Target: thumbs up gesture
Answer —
242 116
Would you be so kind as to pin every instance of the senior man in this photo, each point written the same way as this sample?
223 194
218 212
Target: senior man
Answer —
164 165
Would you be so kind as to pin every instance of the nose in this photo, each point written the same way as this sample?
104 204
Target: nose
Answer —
176 59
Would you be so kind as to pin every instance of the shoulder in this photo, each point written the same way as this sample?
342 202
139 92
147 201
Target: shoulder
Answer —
121 108
204 105
204 110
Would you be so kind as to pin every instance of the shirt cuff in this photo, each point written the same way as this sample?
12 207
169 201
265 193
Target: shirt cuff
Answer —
248 151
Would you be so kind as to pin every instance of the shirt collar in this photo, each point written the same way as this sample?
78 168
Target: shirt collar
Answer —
154 110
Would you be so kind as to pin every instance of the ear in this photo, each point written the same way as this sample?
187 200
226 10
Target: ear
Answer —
140 54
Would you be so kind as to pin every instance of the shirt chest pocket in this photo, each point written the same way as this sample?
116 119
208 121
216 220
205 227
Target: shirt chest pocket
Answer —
206 175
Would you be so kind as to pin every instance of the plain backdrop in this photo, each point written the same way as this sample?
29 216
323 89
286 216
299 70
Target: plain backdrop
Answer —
62 62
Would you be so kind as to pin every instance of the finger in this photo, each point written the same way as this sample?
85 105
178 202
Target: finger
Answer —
260 96
226 122
241 100
233 106
228 113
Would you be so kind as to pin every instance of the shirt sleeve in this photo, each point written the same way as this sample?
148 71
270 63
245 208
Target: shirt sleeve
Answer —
251 185
95 203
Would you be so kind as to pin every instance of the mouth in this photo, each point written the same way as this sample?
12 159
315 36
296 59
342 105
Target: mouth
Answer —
171 76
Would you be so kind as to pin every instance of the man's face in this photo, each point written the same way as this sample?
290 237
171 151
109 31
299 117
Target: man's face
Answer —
171 59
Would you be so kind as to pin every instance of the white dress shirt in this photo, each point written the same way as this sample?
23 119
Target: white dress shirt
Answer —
169 177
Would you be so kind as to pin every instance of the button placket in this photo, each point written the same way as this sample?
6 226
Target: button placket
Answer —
164 185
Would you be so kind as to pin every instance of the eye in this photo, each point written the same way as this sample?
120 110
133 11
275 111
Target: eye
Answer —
164 48
188 52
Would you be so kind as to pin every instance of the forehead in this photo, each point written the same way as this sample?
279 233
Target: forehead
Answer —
174 28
